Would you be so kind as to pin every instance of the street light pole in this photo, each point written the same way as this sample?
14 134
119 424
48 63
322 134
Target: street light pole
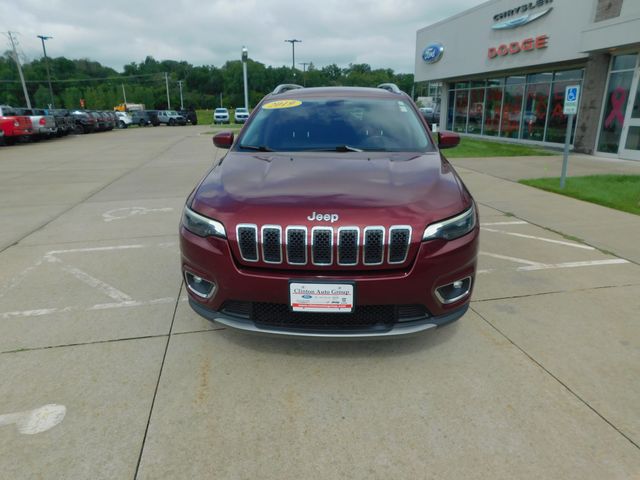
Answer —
181 102
166 82
293 42
46 63
304 72
245 56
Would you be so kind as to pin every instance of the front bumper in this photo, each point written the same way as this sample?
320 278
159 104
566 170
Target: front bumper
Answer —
403 329
436 263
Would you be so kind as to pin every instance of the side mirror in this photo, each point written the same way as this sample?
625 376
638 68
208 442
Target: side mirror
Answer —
223 139
448 140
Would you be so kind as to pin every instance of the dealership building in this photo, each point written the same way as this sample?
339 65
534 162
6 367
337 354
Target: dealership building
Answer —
501 69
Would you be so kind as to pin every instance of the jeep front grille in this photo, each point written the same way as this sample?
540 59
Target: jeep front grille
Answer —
324 246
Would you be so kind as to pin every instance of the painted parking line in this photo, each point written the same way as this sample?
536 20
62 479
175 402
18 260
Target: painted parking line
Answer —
127 212
590 263
511 259
38 420
541 239
532 266
513 222
122 300
39 312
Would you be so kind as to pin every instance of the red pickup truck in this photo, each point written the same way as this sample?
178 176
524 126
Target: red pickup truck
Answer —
14 126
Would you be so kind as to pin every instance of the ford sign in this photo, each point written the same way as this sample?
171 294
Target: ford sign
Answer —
433 52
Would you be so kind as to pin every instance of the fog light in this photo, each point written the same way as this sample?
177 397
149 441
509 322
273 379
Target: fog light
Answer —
199 286
452 292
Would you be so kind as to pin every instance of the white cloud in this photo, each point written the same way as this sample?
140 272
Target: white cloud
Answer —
117 32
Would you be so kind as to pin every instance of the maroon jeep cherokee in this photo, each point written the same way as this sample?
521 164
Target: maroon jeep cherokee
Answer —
333 215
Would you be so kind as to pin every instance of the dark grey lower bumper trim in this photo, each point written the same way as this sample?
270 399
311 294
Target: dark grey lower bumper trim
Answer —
399 329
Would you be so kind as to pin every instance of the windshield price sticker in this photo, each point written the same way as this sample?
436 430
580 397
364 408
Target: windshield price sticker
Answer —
321 297
282 104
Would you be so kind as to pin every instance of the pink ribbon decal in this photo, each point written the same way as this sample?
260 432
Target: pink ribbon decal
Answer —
618 99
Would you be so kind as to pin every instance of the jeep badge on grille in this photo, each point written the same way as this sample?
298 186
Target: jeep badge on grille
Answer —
323 217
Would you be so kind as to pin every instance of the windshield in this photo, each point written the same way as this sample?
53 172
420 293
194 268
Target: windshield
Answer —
336 125
221 110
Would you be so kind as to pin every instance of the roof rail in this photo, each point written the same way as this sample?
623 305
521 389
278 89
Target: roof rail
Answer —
285 87
390 87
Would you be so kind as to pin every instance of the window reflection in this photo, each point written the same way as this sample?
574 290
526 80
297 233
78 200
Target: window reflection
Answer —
511 109
535 111
493 108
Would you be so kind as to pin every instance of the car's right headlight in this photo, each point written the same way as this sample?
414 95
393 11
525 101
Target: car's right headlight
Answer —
201 225
452 228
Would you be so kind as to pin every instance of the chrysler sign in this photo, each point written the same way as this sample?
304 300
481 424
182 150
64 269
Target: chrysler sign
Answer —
521 15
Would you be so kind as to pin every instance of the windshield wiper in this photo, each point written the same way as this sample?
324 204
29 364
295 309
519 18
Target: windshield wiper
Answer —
347 148
259 148
337 148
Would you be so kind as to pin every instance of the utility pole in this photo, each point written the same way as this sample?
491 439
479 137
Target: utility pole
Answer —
245 57
46 64
304 72
124 95
17 60
166 82
181 102
293 42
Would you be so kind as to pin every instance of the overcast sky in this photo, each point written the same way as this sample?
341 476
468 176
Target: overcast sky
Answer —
116 32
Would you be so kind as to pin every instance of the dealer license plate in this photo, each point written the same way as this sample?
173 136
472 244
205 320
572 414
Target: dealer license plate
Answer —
321 297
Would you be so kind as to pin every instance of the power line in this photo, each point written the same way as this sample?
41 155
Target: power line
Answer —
99 79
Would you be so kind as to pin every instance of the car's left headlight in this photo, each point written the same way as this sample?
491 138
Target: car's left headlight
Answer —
201 225
452 228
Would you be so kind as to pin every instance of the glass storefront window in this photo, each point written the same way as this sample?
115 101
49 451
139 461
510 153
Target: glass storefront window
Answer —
633 139
462 103
515 80
557 120
615 107
540 78
624 62
450 106
535 111
476 107
493 107
511 110
568 75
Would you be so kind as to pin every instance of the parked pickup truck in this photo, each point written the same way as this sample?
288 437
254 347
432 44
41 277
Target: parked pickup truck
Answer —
64 121
14 125
44 125
189 115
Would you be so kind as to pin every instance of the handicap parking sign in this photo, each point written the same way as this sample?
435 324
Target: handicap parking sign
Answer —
571 96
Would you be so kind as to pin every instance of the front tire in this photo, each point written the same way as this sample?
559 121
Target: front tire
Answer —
172 122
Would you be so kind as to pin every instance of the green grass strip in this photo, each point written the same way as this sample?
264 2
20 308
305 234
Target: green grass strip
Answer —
621 192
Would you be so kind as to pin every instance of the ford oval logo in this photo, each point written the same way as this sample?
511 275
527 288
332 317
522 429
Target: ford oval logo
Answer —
307 297
433 52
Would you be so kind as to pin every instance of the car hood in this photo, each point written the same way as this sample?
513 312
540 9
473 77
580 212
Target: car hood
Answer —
362 188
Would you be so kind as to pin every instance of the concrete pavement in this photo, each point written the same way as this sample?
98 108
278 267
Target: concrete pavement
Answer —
538 380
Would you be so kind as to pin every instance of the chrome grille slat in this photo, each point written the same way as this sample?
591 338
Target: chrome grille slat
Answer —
247 235
289 245
373 249
296 245
322 245
348 245
271 236
399 241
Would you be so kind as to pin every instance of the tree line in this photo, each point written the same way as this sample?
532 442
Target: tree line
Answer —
204 87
